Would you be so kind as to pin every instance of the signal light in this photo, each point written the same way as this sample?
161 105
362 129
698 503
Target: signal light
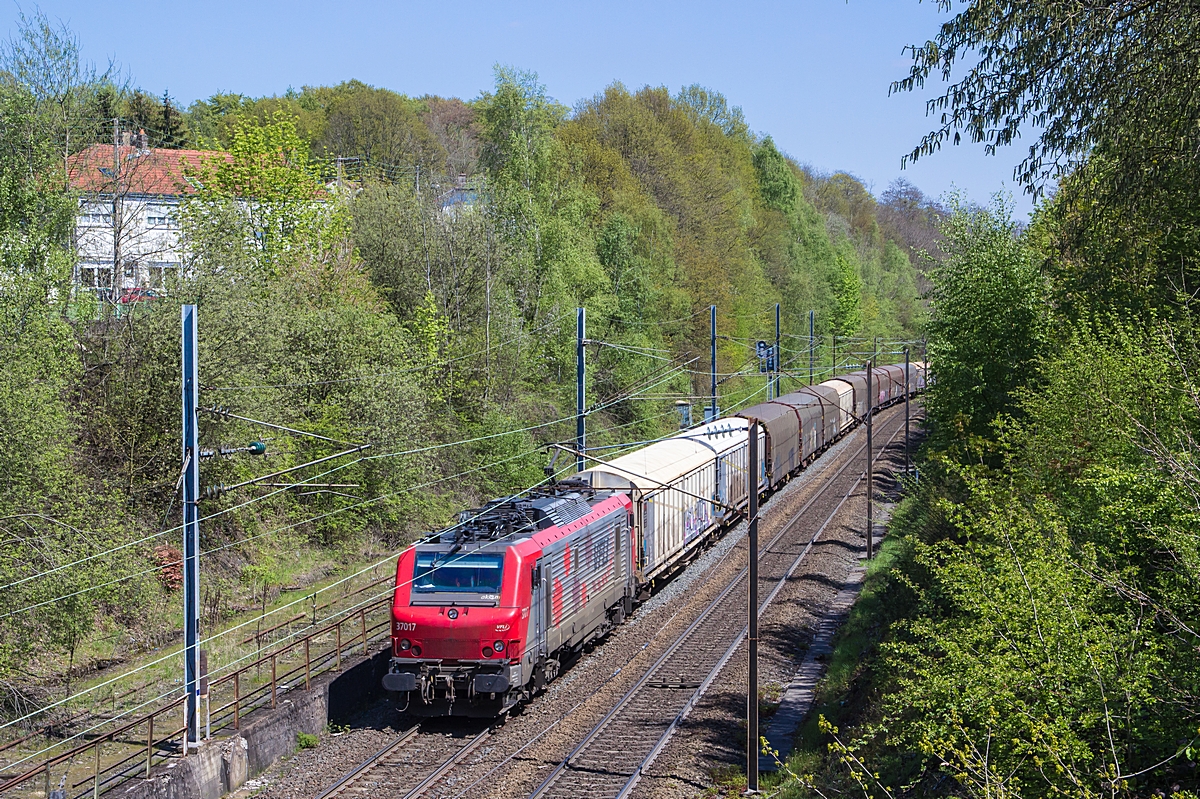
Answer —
416 650
487 651
498 646
404 645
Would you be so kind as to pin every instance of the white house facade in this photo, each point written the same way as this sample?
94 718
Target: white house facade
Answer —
127 234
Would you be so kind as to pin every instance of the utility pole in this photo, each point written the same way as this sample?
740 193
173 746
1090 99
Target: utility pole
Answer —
833 350
712 328
191 523
752 622
778 354
812 346
907 390
870 466
580 356
116 206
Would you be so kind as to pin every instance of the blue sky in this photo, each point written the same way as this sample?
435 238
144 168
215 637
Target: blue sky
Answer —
813 74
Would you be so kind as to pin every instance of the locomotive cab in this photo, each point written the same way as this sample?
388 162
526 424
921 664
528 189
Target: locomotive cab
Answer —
457 632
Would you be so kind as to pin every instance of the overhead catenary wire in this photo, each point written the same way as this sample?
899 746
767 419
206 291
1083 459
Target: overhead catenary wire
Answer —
161 533
414 451
668 376
317 518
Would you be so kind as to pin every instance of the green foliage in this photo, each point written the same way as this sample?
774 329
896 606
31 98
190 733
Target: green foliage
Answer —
265 199
306 741
987 325
42 496
780 188
1117 75
365 301
380 126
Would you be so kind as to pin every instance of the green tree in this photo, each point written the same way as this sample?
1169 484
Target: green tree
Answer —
382 127
1111 73
265 198
987 322
779 186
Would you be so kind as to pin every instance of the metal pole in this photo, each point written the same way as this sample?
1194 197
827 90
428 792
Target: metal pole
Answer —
778 354
712 327
580 436
191 520
833 356
870 466
752 622
812 346
907 390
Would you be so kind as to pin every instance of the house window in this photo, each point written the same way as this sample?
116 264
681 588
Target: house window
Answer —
158 216
162 274
95 276
95 214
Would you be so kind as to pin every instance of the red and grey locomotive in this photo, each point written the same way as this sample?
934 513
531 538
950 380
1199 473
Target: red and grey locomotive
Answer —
485 613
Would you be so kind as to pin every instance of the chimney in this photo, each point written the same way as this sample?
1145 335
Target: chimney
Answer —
143 142
125 135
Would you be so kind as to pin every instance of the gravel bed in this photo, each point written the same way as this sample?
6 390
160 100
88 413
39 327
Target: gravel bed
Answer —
310 771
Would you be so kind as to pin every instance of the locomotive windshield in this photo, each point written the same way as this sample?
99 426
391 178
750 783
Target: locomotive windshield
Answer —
475 573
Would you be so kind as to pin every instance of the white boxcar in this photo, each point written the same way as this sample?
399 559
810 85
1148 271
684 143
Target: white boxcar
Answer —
683 488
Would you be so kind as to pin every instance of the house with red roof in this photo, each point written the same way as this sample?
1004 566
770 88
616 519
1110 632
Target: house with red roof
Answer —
127 233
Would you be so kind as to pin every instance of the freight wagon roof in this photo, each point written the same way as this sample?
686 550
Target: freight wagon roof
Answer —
766 411
841 387
652 466
826 395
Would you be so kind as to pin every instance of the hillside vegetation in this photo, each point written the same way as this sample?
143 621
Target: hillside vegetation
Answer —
350 301
1037 629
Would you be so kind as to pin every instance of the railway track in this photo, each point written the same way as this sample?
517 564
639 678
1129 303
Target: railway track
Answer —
610 759
393 765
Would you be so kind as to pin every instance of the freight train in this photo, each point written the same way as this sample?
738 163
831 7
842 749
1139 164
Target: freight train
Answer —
490 610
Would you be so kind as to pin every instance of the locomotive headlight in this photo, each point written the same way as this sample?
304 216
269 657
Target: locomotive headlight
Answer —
404 644
498 646
452 613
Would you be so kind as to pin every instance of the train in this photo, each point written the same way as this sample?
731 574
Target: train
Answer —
490 610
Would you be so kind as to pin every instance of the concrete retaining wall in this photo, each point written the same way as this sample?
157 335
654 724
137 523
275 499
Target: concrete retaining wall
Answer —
225 763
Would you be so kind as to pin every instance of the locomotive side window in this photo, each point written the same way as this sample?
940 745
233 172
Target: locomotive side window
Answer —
474 573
